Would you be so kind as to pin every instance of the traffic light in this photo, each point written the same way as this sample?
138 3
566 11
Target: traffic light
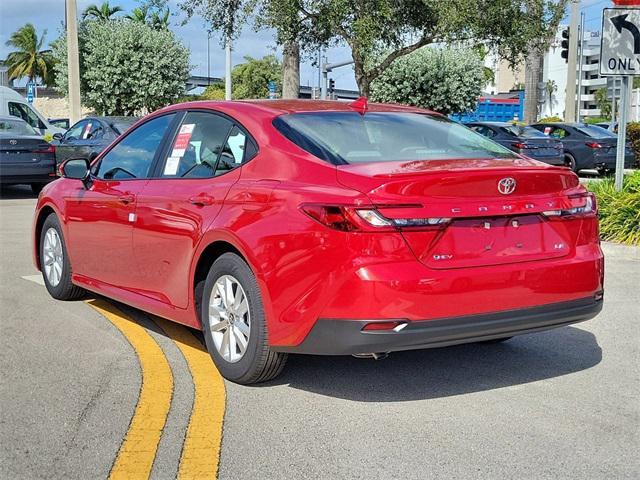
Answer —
332 85
564 53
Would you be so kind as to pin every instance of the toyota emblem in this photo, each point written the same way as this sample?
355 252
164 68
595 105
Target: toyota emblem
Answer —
13 142
507 185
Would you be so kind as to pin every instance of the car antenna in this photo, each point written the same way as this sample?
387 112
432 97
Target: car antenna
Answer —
360 105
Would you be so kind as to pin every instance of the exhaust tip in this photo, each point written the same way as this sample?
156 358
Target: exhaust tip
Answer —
374 355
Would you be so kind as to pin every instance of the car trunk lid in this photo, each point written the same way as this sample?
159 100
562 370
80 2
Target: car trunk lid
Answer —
493 209
24 149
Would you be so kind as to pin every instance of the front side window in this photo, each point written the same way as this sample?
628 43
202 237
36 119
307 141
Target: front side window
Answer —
22 111
206 145
75 132
349 137
133 156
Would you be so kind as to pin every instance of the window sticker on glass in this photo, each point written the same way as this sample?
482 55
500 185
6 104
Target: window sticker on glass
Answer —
171 167
87 129
182 140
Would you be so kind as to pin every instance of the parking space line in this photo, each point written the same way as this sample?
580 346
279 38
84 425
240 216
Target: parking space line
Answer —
138 450
201 449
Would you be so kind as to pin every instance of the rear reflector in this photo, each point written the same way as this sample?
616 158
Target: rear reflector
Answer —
396 326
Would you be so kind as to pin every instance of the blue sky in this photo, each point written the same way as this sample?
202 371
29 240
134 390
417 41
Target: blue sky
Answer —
49 14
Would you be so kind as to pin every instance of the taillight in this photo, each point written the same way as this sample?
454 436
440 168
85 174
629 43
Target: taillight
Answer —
331 216
593 145
590 207
519 145
350 218
49 149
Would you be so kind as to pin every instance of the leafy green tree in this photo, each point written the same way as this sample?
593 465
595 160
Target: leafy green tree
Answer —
251 79
101 13
397 28
127 67
29 59
603 102
444 80
214 92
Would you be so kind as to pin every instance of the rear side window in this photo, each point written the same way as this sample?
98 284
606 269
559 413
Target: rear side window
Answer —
594 131
133 156
349 137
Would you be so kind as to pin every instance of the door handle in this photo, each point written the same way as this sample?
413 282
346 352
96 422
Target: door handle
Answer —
126 199
201 200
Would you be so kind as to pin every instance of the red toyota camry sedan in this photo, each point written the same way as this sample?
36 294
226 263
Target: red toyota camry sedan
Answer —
323 228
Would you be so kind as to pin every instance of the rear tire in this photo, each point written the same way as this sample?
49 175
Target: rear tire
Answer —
234 315
570 161
54 262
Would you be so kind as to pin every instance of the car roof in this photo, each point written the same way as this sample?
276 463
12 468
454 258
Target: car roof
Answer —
563 124
6 118
497 124
279 107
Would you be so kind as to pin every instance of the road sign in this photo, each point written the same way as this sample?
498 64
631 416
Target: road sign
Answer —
31 88
272 90
620 44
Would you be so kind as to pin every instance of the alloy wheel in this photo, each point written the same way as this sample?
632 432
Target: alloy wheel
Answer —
229 318
53 257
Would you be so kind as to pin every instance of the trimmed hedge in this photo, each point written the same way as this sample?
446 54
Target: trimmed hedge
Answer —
633 136
619 211
549 120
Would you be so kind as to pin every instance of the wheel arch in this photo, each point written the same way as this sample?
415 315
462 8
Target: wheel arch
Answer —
43 213
210 250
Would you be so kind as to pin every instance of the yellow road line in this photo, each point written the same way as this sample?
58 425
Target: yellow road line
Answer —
138 450
201 450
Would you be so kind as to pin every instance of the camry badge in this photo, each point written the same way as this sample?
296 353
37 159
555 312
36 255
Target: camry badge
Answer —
507 185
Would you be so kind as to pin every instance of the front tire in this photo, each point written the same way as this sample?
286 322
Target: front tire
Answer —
54 262
234 325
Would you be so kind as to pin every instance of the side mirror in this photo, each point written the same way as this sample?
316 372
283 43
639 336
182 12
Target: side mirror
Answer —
77 169
57 136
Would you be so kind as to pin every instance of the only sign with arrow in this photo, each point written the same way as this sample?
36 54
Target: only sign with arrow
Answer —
620 52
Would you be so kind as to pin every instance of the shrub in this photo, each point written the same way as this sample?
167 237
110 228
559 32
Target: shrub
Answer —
619 211
550 120
447 80
594 120
633 136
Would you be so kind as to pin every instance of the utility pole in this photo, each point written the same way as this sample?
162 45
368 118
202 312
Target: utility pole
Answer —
581 46
227 73
73 61
326 68
570 97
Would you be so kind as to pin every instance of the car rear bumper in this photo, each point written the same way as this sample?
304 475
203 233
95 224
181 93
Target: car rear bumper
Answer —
26 179
346 337
551 160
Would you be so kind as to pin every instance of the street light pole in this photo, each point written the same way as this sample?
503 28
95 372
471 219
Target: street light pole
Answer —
227 73
208 59
73 61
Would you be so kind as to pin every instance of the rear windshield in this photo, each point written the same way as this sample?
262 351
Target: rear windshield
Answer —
16 127
524 131
122 124
595 132
349 137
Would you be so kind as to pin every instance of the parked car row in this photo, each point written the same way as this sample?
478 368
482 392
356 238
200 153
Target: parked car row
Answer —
576 145
26 158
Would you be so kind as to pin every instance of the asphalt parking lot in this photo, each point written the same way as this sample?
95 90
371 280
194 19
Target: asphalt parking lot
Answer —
559 404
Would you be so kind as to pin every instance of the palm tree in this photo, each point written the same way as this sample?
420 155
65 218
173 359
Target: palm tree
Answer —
159 20
139 14
102 13
29 60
